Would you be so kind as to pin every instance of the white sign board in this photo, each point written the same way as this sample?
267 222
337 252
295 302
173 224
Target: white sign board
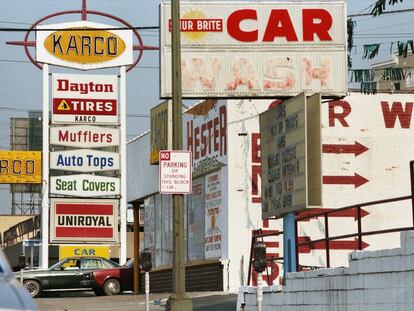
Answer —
83 136
80 220
257 49
84 99
84 185
84 160
86 46
175 172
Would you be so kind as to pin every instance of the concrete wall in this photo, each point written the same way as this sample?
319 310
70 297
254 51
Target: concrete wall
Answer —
378 280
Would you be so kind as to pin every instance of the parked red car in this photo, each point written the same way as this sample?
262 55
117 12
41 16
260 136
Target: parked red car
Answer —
111 281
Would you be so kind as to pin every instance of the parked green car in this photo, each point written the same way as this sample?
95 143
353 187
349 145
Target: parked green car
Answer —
64 275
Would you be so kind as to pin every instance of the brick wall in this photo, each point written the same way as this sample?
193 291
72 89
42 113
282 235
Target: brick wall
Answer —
377 280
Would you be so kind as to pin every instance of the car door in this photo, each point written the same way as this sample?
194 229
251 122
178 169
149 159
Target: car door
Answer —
67 276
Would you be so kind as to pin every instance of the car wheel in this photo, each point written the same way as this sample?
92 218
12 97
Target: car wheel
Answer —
98 291
33 287
111 287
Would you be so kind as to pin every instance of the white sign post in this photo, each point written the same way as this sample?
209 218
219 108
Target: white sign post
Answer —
175 172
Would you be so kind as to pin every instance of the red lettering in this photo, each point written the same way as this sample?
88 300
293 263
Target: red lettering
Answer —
346 110
233 25
390 115
321 29
196 143
190 136
256 148
279 25
223 131
256 175
203 140
209 127
216 134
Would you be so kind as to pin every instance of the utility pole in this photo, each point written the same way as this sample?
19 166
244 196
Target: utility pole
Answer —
178 301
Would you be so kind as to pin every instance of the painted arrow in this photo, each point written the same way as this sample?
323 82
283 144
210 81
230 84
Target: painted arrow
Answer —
356 148
337 245
356 180
308 214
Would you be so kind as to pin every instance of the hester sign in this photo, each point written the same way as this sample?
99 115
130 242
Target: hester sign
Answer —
175 172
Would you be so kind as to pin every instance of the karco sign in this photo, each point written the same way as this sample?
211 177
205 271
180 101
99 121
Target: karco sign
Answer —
92 220
84 185
83 45
257 49
20 167
84 136
84 99
84 160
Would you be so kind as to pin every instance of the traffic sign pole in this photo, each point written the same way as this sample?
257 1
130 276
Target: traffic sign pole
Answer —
178 301
44 257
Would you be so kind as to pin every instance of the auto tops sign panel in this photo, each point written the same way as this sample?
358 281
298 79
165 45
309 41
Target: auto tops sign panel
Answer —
75 220
84 136
84 185
84 99
84 160
83 45
66 251
20 167
263 49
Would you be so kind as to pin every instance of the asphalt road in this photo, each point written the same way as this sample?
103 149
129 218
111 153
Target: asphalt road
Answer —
85 301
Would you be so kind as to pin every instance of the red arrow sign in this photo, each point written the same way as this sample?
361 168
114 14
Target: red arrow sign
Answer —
356 148
338 245
356 180
343 213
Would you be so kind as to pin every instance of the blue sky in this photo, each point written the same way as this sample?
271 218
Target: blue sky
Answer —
21 82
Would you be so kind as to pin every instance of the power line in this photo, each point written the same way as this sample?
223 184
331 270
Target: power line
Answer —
385 12
3 29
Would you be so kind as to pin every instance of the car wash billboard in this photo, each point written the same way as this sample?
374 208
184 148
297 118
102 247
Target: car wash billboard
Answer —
75 220
84 99
250 49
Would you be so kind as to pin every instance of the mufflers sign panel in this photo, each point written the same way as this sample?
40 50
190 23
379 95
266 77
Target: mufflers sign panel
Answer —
84 99
257 49
83 45
91 220
84 185
84 136
84 160
20 167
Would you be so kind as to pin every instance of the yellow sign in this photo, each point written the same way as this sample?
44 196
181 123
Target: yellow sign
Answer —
161 130
63 106
66 251
82 46
20 167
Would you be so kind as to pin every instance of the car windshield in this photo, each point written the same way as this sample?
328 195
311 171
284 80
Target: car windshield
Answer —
129 263
66 264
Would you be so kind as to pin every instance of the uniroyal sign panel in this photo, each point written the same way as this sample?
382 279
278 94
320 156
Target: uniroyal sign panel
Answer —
84 160
74 220
84 99
257 49
83 45
84 185
83 136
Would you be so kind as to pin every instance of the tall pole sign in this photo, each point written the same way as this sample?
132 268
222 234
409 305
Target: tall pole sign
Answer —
87 100
178 301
